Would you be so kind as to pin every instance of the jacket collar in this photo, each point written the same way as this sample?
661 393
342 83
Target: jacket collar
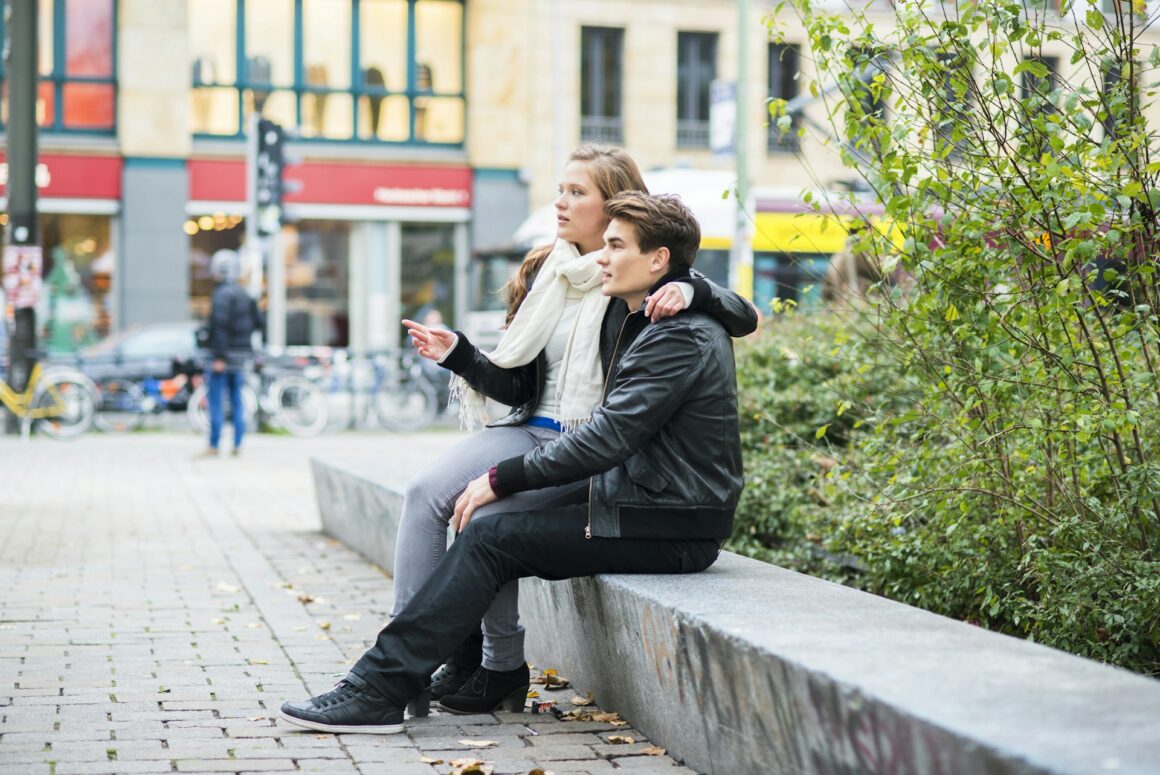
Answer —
673 276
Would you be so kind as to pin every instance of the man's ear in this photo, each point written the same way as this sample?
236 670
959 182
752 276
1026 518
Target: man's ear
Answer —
659 261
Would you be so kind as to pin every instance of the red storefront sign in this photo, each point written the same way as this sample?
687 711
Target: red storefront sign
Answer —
72 177
342 183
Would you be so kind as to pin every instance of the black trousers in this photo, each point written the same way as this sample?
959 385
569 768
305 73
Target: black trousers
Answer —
492 551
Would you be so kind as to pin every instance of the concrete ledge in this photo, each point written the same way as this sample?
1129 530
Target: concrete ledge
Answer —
360 508
752 668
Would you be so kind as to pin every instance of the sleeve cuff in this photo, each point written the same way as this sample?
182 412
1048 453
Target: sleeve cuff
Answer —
686 291
454 344
508 477
492 481
701 292
458 358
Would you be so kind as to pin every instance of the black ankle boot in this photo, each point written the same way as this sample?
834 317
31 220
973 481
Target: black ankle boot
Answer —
488 690
449 679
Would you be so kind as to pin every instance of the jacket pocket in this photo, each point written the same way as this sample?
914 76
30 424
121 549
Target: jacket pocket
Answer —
641 472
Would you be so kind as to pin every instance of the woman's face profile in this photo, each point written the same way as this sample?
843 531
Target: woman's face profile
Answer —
580 215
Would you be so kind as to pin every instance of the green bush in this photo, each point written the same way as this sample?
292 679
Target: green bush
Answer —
991 424
886 501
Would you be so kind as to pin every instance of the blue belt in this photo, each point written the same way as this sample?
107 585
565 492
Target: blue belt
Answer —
545 422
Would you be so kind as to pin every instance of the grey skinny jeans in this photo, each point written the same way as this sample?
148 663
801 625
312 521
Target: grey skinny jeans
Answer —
427 510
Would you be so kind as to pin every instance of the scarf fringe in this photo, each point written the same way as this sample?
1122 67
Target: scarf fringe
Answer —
472 405
473 408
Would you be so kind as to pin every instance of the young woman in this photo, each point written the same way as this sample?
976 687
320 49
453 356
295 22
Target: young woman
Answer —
549 366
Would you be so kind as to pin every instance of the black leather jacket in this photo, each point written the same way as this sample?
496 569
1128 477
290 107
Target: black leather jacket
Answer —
520 387
663 450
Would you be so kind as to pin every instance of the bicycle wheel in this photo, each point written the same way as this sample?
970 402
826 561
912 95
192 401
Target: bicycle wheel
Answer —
299 405
197 410
120 406
64 404
406 403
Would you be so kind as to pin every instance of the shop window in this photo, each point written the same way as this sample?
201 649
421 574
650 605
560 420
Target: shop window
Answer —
78 270
317 256
208 233
793 277
601 70
784 63
371 70
77 50
427 279
696 69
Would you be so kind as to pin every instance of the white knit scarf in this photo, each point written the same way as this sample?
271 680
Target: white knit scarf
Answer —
581 379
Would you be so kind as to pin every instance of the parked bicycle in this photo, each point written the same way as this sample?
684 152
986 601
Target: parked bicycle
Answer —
125 403
57 401
389 387
274 393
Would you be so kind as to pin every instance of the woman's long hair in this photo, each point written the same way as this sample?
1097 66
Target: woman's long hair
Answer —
611 171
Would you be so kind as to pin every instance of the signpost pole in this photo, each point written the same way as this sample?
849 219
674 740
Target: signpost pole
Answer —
22 251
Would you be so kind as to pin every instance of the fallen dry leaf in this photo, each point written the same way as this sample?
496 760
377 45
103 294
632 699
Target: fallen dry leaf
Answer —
478 743
229 589
218 621
621 740
578 700
258 662
469 767
429 760
583 715
551 680
609 718
324 625
259 718
305 598
253 625
352 617
653 750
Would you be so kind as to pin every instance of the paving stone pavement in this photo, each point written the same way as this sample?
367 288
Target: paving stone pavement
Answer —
156 609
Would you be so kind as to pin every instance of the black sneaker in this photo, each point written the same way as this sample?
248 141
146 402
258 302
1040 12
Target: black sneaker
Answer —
488 690
351 706
449 679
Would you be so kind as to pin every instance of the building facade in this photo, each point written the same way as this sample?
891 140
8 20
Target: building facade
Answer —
424 132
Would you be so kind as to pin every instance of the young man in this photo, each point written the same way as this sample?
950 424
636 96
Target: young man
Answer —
664 456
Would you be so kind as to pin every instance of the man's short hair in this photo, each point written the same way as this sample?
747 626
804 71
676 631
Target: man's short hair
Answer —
225 265
660 221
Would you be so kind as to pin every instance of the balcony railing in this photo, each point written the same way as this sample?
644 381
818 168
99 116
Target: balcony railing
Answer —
601 129
692 133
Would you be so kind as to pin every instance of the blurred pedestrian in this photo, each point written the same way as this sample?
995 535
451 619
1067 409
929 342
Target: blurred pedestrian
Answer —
233 319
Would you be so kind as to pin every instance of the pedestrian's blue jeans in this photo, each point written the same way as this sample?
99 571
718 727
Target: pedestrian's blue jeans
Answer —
218 380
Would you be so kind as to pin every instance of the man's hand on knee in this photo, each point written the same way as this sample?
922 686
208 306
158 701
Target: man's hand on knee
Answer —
477 493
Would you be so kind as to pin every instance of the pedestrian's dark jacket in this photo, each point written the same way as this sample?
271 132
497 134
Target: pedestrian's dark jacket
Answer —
663 449
233 319
522 386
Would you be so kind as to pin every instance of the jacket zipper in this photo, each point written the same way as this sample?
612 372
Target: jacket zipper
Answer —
603 393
